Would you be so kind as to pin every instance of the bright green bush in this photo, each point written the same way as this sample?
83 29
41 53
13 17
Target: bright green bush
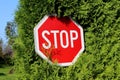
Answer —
100 20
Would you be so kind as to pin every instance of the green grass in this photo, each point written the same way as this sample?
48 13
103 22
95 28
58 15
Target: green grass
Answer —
4 73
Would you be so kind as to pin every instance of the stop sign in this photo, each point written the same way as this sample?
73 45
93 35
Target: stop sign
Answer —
58 40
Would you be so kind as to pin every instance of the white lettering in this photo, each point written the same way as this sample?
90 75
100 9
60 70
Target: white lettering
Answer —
47 40
72 38
61 39
64 38
55 37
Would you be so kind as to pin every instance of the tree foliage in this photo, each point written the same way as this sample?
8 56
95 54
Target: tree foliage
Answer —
1 52
101 23
11 31
11 34
5 54
1 43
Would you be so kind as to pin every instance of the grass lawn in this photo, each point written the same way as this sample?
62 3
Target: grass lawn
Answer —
4 73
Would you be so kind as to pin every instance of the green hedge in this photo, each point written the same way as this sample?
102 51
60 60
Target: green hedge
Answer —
100 20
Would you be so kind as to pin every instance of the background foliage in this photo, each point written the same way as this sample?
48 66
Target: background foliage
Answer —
101 23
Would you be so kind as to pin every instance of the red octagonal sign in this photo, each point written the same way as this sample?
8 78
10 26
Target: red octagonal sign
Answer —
58 40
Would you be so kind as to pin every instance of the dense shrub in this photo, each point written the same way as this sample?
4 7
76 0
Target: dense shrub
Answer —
100 20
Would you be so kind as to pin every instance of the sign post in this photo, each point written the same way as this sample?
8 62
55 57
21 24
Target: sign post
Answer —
58 40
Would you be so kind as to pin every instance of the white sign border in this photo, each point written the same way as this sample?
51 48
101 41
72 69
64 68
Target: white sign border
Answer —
36 41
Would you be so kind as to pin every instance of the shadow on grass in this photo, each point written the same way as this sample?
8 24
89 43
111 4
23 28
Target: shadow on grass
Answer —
2 74
1 66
